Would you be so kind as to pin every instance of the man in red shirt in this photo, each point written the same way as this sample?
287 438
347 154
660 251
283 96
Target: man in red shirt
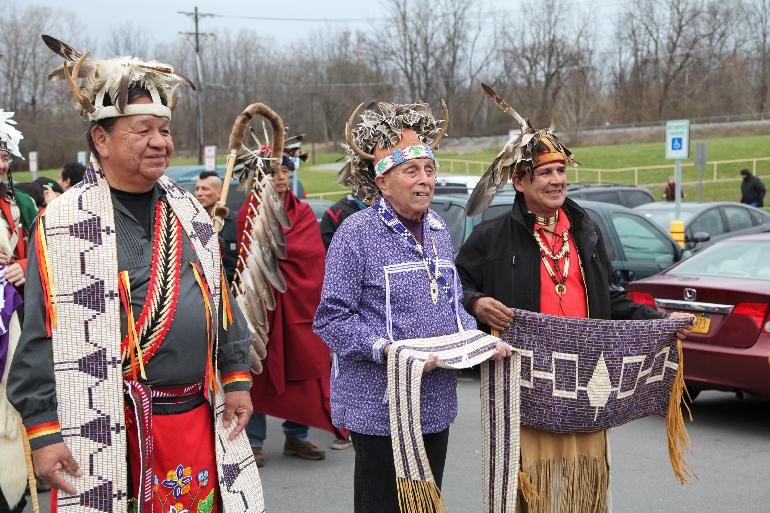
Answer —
546 256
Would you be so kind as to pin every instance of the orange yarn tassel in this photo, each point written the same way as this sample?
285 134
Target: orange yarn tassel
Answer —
227 311
210 379
46 276
133 338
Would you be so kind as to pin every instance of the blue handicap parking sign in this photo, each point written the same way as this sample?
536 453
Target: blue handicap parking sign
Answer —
676 143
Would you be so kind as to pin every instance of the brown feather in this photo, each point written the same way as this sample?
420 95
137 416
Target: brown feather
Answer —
61 48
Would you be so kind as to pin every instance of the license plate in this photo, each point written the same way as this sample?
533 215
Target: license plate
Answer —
702 323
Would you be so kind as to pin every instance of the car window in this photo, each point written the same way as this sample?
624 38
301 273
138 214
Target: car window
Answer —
709 221
454 217
596 218
495 211
603 196
663 217
641 241
740 259
632 199
756 217
738 218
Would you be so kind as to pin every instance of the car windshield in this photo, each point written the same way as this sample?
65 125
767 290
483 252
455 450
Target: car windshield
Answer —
454 217
663 218
738 259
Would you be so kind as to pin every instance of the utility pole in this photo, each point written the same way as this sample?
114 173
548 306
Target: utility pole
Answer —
199 72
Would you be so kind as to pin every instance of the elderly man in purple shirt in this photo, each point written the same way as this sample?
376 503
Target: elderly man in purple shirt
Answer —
390 276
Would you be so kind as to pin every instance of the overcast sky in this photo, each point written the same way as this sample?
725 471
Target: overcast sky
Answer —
161 20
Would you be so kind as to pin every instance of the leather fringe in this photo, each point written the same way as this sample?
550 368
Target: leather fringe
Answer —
567 486
419 496
678 438
528 490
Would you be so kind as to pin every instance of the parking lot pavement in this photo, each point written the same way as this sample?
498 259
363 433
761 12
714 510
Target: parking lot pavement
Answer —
731 456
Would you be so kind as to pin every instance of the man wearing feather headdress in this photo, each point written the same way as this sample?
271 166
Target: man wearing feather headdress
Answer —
131 374
294 380
546 256
13 479
390 276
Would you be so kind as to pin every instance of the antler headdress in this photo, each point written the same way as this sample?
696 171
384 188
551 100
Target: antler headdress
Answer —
409 128
111 79
9 134
524 152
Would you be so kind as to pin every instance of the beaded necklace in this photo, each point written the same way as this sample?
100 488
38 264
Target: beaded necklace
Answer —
560 283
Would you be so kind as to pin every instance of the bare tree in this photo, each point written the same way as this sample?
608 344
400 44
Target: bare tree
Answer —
539 56
759 37
128 39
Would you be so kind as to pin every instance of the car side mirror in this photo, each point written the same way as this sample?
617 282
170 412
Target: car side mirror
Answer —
700 237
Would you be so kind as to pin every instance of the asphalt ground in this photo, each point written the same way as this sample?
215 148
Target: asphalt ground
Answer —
730 455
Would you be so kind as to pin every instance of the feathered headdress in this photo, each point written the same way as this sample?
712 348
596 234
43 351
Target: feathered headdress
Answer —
410 128
112 79
9 134
524 152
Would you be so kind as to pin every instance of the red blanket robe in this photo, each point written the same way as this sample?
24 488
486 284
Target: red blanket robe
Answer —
294 384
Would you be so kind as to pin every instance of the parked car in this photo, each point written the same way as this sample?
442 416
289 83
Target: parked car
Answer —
319 206
727 287
461 184
636 246
625 195
706 223
187 176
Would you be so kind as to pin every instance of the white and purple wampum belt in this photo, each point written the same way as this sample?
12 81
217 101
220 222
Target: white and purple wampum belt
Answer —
401 155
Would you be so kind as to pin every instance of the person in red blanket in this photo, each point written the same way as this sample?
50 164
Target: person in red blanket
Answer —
294 383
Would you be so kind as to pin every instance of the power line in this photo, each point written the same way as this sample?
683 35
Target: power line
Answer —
306 20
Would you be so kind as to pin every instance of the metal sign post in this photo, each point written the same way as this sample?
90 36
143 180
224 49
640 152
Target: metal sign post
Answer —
210 158
677 149
33 164
700 161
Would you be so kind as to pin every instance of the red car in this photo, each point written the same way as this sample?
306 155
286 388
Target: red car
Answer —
727 287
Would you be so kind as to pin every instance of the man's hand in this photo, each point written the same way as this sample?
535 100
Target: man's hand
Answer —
240 404
15 275
4 257
682 333
493 313
502 350
51 461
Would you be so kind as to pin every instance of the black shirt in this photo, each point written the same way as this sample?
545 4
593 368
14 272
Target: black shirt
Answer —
139 204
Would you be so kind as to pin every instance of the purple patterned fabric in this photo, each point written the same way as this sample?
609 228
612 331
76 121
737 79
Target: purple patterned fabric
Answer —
586 375
374 276
10 301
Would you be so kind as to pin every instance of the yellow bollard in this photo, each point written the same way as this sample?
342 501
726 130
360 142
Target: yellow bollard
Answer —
677 231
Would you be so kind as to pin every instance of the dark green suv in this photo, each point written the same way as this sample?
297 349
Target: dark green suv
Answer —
637 247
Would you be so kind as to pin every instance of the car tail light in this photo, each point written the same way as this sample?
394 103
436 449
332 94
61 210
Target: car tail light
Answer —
755 311
642 298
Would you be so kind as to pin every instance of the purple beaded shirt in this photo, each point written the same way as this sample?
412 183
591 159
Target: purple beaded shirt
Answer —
376 290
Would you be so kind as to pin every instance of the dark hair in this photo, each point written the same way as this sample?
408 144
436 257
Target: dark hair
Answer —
745 172
53 184
73 172
34 190
207 174
108 124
